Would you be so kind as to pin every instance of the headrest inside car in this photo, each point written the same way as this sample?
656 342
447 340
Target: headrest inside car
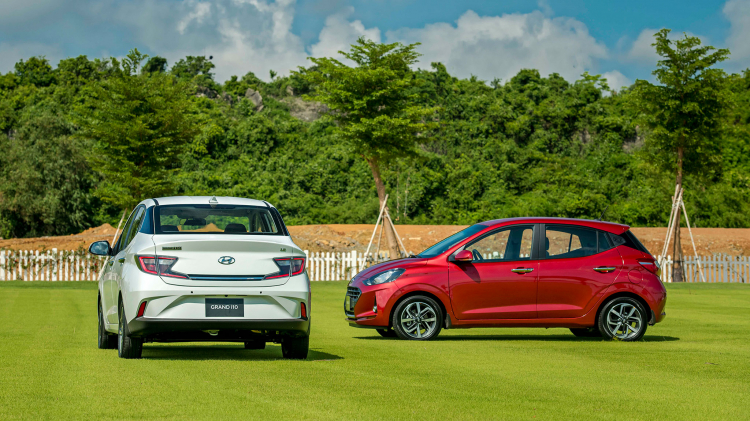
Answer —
169 228
235 228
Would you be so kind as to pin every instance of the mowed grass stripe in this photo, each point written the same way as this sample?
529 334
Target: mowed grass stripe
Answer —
692 366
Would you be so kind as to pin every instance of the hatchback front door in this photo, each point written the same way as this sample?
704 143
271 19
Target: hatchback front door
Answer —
578 265
500 283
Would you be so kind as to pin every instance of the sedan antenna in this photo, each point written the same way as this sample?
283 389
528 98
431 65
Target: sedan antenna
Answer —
603 212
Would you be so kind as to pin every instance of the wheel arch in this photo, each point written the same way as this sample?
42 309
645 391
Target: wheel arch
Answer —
413 293
619 294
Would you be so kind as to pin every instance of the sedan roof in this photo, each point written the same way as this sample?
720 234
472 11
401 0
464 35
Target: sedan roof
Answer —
204 200
601 225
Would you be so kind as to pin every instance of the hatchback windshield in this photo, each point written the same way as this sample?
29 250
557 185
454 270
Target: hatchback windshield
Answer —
444 245
220 219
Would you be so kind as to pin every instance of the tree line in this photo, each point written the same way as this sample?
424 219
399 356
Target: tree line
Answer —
85 140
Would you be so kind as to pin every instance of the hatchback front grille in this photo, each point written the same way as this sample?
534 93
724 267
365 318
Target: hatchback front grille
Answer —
352 295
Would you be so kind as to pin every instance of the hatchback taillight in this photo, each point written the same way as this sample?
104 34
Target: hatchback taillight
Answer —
287 266
159 265
650 265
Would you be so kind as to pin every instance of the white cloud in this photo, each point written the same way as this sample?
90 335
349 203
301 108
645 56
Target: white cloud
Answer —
738 14
500 46
616 80
241 35
338 34
642 51
199 13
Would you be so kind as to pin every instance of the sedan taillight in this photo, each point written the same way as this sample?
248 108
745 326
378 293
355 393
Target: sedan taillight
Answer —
287 266
159 265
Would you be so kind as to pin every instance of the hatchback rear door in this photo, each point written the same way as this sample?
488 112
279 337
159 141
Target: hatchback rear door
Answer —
577 266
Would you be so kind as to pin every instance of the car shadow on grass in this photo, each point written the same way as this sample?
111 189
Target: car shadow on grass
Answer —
225 352
557 338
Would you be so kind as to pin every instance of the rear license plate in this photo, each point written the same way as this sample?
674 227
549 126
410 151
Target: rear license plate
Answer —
225 307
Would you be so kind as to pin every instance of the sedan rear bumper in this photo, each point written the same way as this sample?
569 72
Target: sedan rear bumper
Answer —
229 329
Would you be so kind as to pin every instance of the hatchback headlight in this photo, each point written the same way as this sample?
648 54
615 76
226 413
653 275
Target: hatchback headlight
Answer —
383 277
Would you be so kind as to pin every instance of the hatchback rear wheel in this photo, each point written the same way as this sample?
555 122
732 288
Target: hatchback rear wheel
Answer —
295 348
417 318
624 319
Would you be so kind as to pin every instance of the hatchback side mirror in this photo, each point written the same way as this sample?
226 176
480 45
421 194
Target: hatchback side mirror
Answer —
100 248
463 256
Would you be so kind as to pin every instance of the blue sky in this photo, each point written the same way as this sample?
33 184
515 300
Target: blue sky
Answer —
488 39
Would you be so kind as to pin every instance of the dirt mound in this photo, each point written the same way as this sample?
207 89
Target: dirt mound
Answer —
343 238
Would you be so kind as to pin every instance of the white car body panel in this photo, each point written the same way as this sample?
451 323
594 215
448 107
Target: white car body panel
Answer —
177 300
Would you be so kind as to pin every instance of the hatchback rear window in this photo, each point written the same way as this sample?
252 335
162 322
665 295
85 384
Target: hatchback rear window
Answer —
219 219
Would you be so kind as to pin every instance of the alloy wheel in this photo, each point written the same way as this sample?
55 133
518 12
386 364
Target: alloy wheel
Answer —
418 319
624 320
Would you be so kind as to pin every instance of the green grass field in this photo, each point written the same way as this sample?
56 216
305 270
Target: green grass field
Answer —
694 365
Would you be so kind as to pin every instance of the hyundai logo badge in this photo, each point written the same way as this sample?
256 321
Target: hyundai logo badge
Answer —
226 260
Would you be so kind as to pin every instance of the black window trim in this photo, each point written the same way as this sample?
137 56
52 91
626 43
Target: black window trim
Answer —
543 233
282 231
533 256
118 249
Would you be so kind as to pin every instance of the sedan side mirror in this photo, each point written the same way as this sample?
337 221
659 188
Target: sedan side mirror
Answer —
100 248
463 256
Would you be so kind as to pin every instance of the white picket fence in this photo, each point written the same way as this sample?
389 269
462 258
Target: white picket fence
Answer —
65 265
716 268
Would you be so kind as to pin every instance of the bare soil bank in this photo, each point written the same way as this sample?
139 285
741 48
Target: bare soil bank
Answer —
340 237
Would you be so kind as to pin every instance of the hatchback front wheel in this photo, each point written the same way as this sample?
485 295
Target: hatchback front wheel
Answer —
417 318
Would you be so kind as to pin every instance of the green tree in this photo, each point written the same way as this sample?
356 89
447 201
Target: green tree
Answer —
155 64
684 112
137 125
35 71
374 105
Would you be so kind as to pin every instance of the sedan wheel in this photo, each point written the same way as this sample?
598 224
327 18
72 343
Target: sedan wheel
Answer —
417 318
624 319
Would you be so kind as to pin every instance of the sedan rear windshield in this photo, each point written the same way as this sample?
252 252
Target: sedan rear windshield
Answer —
218 219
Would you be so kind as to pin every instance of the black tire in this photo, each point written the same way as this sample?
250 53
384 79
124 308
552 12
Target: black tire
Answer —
256 344
295 348
429 309
127 346
387 333
586 332
105 340
619 313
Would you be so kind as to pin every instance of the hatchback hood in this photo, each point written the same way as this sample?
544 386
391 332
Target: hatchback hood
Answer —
382 267
248 259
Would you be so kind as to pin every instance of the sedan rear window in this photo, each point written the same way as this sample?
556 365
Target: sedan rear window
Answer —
218 219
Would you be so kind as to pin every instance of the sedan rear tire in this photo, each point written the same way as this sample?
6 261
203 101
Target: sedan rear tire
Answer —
105 340
295 348
127 346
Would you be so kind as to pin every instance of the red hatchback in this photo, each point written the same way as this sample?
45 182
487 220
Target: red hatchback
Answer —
593 277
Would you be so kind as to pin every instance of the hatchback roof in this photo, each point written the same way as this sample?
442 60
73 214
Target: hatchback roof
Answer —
204 200
602 225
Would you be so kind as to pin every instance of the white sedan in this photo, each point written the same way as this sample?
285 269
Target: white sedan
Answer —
217 269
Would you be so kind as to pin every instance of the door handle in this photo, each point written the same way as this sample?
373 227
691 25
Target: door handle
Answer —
121 260
605 269
522 270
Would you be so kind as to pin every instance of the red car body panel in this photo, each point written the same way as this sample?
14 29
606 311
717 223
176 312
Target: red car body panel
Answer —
564 292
